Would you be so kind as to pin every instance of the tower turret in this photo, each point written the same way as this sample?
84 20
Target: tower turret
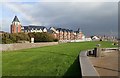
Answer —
16 25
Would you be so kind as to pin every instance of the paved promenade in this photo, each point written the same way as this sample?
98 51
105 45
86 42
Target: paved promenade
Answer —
107 65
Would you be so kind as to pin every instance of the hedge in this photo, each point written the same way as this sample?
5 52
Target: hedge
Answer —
8 38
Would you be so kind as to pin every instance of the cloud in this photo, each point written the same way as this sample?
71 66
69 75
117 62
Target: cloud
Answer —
101 16
78 0
21 9
59 0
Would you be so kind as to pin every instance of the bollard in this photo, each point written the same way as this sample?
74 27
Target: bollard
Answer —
98 50
95 52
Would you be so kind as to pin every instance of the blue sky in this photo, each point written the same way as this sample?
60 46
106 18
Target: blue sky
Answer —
92 17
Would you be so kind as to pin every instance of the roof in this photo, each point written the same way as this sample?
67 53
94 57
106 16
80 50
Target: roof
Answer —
15 19
59 29
52 27
38 27
62 29
78 31
30 27
25 27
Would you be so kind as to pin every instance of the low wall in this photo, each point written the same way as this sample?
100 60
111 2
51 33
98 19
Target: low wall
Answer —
87 69
18 46
66 41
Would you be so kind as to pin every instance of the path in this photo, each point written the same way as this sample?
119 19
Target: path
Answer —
107 65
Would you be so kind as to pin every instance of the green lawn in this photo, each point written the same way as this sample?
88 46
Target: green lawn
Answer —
57 60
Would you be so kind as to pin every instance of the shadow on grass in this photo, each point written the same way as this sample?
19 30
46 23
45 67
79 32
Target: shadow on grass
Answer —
74 70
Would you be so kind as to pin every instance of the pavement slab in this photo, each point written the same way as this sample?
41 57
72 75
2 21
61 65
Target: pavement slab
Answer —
107 64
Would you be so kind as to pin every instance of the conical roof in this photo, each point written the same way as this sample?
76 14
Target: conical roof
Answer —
15 19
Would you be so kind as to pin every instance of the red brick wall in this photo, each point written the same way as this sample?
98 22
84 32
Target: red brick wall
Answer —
19 28
61 35
72 37
13 28
68 36
65 36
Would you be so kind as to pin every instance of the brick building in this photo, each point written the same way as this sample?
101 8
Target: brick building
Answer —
66 34
59 33
16 25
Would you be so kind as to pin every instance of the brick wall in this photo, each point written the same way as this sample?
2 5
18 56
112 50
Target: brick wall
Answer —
13 28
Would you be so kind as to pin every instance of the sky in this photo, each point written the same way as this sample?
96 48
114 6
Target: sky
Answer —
93 18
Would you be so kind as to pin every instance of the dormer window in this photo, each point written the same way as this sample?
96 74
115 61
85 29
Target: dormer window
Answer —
44 30
40 30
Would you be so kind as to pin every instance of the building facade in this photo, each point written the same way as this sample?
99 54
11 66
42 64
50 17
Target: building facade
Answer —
66 34
58 33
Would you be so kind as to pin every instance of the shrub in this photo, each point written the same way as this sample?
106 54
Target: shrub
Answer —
43 37
22 36
13 38
31 35
55 40
6 38
16 37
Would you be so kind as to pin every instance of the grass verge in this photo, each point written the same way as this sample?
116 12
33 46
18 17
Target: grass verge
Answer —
57 60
